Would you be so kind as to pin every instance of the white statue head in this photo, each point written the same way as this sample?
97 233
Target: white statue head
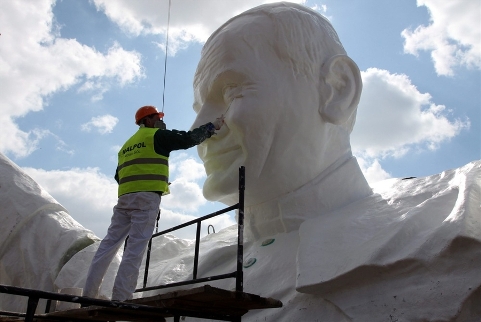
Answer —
289 93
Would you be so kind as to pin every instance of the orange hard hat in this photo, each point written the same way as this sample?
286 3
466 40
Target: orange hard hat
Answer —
146 111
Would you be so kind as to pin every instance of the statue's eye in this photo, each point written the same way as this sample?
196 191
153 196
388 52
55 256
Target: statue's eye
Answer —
231 92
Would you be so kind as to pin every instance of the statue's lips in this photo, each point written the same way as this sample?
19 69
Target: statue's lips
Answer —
221 159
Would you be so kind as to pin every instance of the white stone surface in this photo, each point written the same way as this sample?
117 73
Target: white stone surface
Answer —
411 251
37 236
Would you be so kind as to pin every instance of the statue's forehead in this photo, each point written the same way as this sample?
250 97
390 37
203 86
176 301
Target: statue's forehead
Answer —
228 44
243 25
224 53
214 60
233 34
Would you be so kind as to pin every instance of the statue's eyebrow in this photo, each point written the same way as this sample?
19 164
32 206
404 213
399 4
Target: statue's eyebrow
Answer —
218 76
225 77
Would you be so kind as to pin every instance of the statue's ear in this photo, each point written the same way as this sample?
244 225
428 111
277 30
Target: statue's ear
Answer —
340 91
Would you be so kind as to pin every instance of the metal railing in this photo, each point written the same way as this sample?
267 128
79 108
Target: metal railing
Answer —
238 274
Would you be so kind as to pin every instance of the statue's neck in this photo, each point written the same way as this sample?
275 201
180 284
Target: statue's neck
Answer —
338 185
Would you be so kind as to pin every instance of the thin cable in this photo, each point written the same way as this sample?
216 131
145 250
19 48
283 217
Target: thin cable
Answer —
165 62
238 96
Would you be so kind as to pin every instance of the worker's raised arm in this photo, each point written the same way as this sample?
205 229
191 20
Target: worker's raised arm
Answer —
166 141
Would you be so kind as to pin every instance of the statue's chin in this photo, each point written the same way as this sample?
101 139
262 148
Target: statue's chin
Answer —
221 188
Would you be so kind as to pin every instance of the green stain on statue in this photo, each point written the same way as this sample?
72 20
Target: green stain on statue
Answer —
76 247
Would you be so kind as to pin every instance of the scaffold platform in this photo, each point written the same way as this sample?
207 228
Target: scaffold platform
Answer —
205 302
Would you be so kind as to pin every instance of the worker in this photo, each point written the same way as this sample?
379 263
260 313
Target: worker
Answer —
142 174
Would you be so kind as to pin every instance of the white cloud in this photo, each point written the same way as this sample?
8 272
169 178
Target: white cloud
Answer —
35 63
97 88
104 124
190 21
21 144
320 8
87 194
189 170
453 37
186 193
372 170
394 117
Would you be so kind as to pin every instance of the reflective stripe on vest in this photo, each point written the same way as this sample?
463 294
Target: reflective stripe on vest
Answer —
139 177
140 167
143 161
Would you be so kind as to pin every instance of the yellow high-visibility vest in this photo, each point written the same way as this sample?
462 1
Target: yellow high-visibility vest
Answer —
140 168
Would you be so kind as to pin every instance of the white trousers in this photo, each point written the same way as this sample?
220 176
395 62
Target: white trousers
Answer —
134 215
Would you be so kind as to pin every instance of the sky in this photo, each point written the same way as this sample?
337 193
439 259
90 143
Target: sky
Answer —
73 73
